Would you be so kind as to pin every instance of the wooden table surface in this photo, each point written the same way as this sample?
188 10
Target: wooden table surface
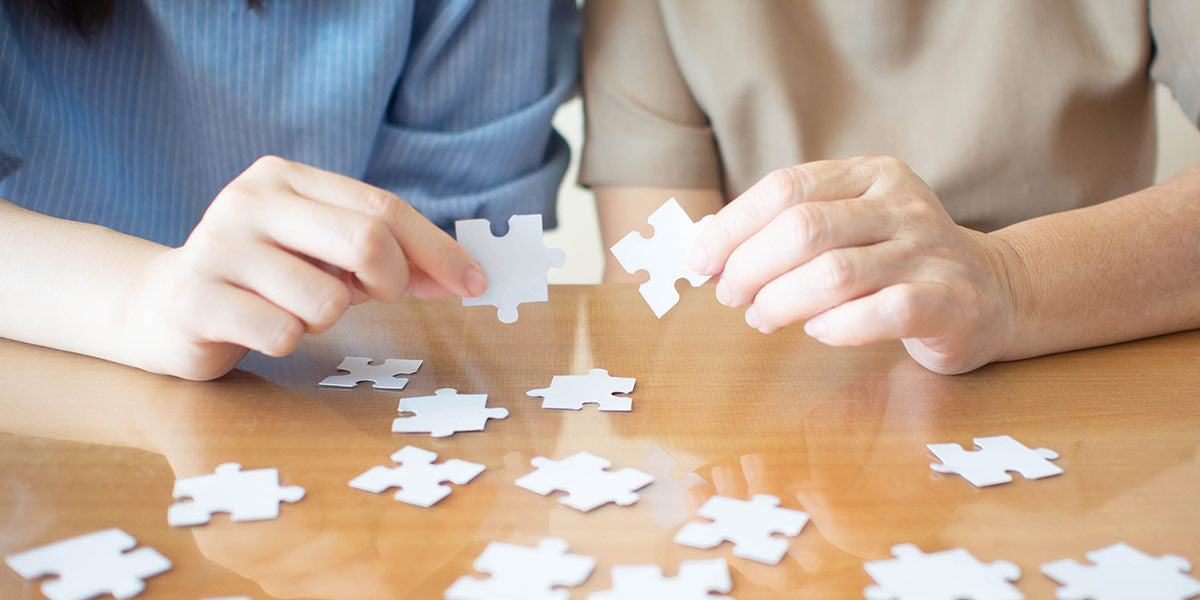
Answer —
840 433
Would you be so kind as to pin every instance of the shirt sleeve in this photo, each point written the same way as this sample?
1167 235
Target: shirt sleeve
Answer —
10 154
1174 25
644 127
468 129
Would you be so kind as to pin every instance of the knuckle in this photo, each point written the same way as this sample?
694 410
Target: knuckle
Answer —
284 337
782 183
270 163
902 304
840 272
889 163
369 243
806 224
333 304
381 203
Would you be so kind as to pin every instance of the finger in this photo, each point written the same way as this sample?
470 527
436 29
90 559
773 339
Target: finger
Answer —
759 205
421 285
796 236
906 310
297 286
758 479
427 246
248 320
833 278
729 483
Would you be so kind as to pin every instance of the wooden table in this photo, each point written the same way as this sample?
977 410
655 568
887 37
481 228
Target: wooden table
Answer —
839 433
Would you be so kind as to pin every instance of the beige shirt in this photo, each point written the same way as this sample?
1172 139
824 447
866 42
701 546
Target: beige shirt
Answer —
1009 109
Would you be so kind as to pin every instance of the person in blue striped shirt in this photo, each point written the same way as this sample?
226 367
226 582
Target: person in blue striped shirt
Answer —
183 181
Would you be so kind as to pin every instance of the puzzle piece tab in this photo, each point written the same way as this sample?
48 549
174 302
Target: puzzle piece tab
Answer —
750 525
91 565
663 256
996 456
951 574
419 480
1122 572
385 376
696 579
515 265
523 573
585 479
571 392
245 495
446 413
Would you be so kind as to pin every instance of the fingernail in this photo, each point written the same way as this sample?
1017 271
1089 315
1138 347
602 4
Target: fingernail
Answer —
752 317
698 259
723 295
815 329
475 281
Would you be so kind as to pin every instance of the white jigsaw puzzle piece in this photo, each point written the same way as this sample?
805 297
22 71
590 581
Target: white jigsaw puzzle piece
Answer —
91 565
950 575
246 495
996 456
1122 572
662 256
571 392
384 376
668 505
523 573
419 480
585 479
445 413
696 579
515 265
750 525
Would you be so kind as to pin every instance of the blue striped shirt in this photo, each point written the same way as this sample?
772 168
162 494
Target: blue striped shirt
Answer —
446 103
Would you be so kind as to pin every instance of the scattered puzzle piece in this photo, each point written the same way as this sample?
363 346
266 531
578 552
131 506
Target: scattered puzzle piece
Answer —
668 505
419 480
446 413
515 265
584 478
91 565
948 575
384 376
696 579
523 573
663 256
996 456
750 525
245 495
1122 572
571 392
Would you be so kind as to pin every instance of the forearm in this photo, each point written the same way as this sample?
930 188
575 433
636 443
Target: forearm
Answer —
1122 270
621 210
68 285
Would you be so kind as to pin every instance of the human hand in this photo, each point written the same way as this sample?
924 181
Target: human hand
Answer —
284 250
864 251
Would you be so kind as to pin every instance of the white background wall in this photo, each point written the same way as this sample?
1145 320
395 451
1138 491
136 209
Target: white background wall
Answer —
578 234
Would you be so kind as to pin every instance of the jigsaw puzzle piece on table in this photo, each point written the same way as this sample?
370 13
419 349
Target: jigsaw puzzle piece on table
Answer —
515 265
585 478
1122 572
419 480
523 573
571 392
91 565
696 579
996 456
385 376
668 506
663 256
445 413
246 495
950 575
750 525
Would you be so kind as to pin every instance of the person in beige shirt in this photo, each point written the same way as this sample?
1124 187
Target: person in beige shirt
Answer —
972 178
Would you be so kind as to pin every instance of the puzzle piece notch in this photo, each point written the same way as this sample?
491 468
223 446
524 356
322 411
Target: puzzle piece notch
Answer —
585 478
996 456
695 581
384 376
750 525
445 413
523 573
571 392
91 565
246 495
515 265
663 256
1122 572
419 480
950 574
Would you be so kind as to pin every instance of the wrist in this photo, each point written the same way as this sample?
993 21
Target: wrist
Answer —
1014 296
